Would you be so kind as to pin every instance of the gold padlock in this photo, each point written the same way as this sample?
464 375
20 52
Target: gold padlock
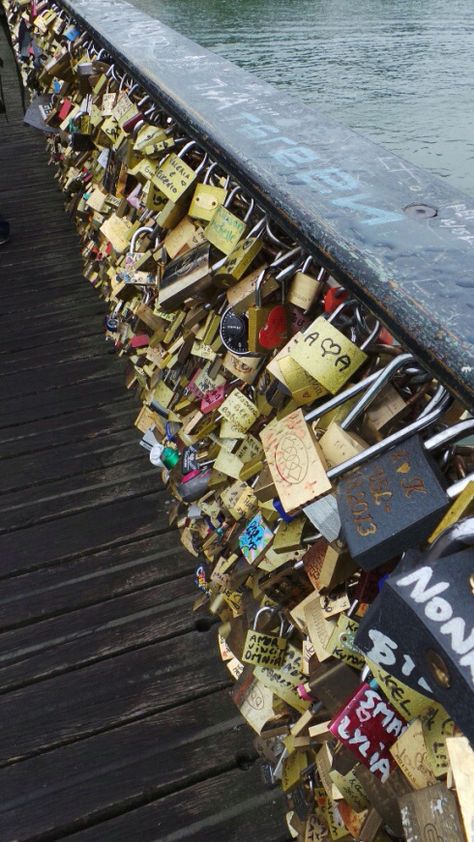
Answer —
328 355
225 229
263 649
257 316
304 289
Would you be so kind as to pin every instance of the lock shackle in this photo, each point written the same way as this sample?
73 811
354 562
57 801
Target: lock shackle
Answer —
285 272
112 74
188 145
306 262
336 401
457 487
137 128
340 309
440 396
446 436
374 388
123 82
214 182
287 255
386 444
455 538
251 202
258 288
208 172
137 234
372 333
77 116
257 229
272 611
185 148
250 209
273 237
233 192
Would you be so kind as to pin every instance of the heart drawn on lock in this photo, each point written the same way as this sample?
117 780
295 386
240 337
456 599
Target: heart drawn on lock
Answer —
275 329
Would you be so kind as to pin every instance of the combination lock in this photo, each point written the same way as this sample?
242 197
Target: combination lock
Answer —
233 330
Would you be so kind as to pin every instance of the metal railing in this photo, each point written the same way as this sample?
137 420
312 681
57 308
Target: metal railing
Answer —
399 238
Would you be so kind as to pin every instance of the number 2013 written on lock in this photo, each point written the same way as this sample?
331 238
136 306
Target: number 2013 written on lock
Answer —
371 495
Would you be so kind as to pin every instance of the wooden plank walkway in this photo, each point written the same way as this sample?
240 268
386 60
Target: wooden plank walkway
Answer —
115 717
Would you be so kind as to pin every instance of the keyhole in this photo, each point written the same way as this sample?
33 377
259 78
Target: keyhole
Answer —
438 668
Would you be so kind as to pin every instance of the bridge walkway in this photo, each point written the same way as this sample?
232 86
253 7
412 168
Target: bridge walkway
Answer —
115 716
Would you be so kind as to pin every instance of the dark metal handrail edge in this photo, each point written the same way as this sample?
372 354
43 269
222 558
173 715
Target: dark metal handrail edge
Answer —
342 196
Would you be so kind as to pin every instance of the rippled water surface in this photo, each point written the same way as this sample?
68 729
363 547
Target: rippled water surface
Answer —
399 71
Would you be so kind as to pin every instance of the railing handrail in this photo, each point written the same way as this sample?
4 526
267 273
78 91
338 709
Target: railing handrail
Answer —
341 195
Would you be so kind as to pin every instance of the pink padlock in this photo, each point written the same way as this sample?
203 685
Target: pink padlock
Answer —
139 341
213 399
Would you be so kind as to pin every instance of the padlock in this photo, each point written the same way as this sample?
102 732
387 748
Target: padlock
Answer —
257 315
194 485
262 648
234 328
305 289
332 684
396 499
326 353
164 457
274 330
241 257
295 460
131 272
225 229
185 276
368 725
207 197
175 176
432 813
419 628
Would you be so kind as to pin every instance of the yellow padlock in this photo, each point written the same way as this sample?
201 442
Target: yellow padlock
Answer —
263 649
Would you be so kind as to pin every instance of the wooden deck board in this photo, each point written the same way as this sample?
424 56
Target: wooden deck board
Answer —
115 716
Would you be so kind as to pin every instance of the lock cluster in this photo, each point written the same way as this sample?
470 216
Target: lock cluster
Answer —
321 476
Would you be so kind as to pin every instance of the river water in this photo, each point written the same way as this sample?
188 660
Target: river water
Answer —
399 71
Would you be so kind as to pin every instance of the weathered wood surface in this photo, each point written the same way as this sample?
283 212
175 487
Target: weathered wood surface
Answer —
115 716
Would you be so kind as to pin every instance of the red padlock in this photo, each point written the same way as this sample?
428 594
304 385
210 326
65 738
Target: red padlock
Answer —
368 725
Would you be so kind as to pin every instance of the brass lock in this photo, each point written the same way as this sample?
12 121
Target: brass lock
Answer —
225 229
264 649
328 355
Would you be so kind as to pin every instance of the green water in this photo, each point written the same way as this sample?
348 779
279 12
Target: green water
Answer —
399 71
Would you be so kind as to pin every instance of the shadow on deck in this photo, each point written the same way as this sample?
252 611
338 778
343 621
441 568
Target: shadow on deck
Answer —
115 717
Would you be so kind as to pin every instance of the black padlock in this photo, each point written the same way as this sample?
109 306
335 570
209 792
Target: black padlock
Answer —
420 626
396 499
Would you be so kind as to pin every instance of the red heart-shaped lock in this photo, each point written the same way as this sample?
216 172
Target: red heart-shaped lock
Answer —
275 329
